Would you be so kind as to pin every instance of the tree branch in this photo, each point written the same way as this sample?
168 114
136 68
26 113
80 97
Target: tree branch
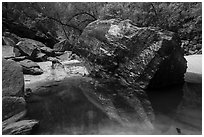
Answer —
63 27
68 25
89 20
81 13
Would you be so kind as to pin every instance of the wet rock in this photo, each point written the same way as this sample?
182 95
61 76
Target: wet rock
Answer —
12 78
23 127
30 67
12 106
63 45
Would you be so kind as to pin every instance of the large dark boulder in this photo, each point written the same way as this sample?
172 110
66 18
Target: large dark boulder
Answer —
126 60
30 67
143 57
12 78
12 106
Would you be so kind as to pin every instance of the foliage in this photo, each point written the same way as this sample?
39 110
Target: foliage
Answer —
68 19
185 19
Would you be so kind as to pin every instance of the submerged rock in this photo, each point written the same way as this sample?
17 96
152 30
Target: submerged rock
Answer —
12 78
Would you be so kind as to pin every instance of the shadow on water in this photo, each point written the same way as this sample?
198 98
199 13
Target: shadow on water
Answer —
178 110
63 108
165 103
65 112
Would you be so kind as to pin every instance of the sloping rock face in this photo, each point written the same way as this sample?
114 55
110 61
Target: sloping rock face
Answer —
143 57
126 60
12 79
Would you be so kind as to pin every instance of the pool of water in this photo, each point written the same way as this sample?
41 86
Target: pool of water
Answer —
63 108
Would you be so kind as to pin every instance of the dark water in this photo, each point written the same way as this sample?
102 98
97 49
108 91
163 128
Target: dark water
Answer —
63 108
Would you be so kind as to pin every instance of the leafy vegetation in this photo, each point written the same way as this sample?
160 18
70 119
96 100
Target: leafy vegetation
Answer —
67 20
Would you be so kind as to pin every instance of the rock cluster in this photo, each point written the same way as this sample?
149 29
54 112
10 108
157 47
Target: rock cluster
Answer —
13 102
